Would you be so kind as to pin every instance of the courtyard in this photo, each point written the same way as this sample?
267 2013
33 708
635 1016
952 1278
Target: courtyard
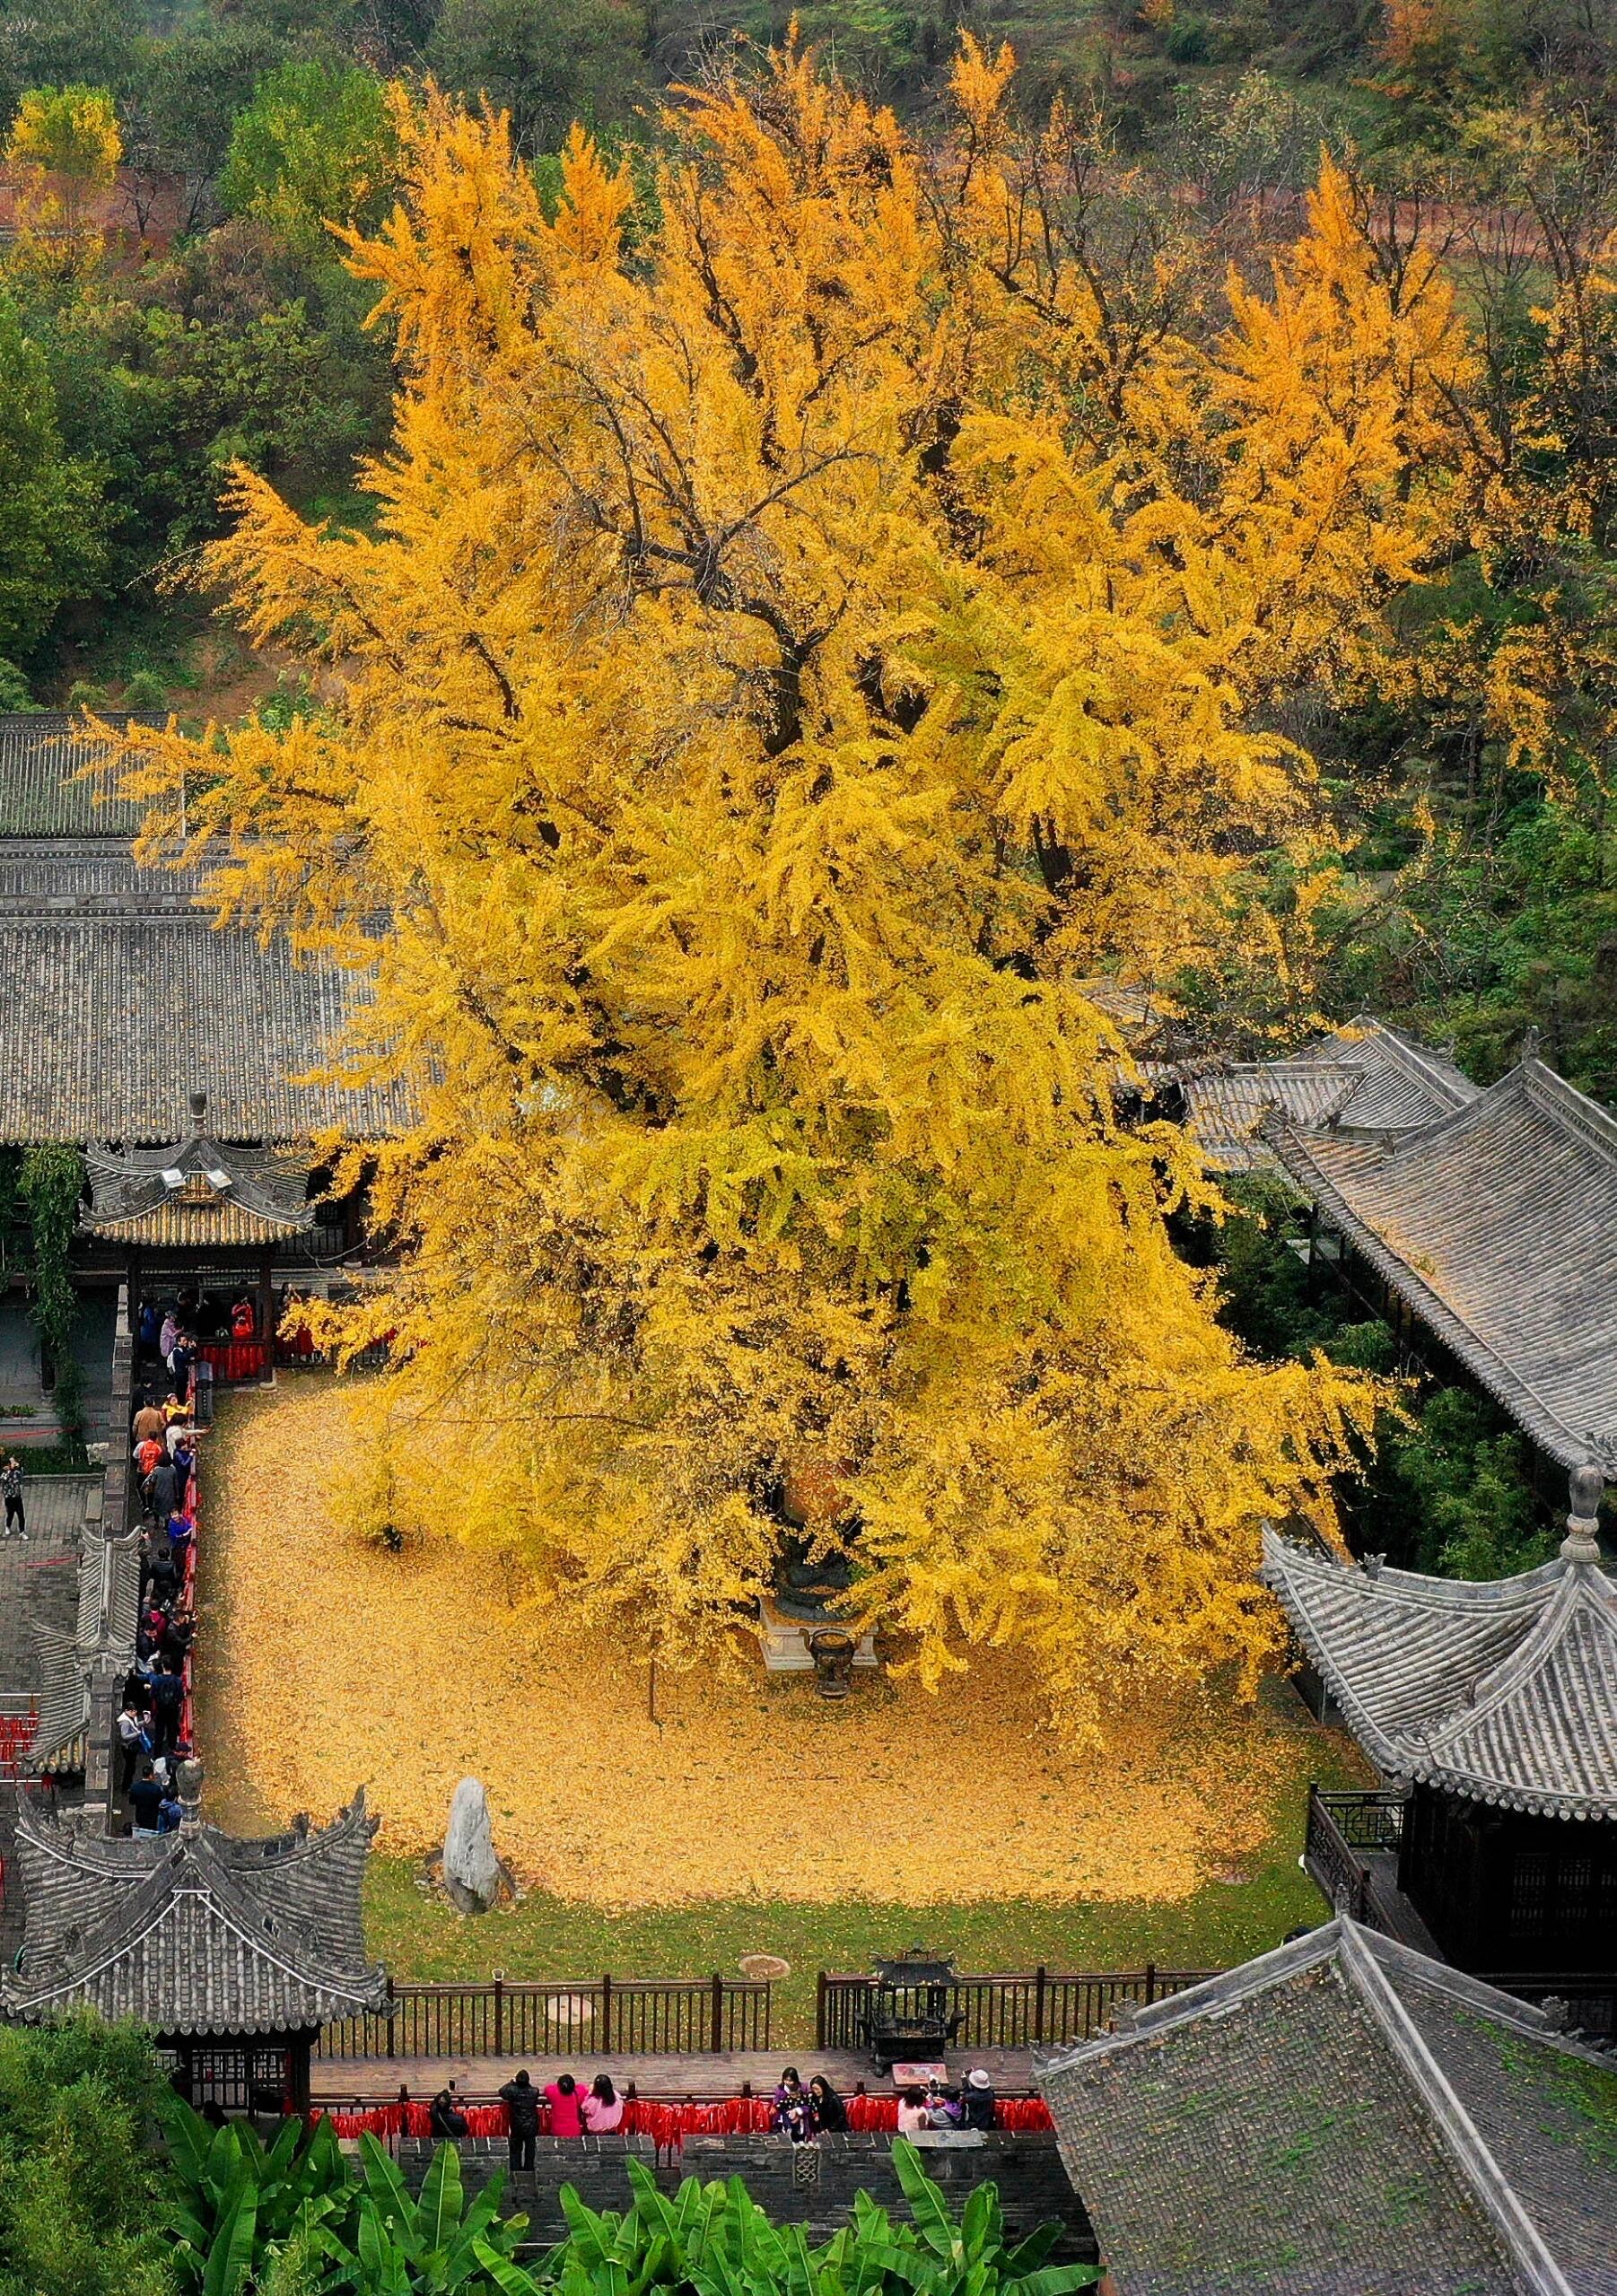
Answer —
745 1815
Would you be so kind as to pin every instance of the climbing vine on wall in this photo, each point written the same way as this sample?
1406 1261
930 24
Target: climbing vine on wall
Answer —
49 1183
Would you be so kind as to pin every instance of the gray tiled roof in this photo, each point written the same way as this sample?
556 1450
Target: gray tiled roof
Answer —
43 754
196 1932
1225 1106
198 1190
1498 1226
1501 1690
122 995
109 1608
1364 1079
1342 2117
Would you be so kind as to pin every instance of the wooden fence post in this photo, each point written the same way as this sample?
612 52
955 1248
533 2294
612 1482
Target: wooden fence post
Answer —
1039 1981
606 2011
1150 1983
392 2019
499 2013
819 2011
717 2026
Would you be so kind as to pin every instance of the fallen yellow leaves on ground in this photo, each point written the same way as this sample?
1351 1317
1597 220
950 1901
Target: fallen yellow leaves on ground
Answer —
327 1662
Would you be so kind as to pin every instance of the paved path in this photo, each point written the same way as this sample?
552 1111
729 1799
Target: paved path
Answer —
377 2080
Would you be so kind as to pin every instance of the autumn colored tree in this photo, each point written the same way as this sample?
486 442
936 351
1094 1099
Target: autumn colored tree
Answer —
70 136
796 652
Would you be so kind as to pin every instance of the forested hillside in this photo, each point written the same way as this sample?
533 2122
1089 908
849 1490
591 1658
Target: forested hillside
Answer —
171 300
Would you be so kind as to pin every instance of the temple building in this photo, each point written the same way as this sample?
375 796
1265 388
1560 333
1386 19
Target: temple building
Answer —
1362 1082
171 1210
233 1952
1342 2117
1492 1706
1495 1228
122 996
191 1064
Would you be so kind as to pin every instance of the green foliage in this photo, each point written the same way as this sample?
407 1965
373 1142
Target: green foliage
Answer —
50 1182
435 2244
1448 1488
16 693
233 2197
292 2215
73 40
294 2219
79 2184
1467 1492
547 62
186 91
1510 926
314 146
714 2240
52 526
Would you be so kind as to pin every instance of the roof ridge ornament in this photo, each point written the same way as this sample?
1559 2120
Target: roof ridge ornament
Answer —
191 1798
1587 1486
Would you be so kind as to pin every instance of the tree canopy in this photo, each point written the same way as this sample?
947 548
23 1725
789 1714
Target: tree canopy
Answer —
795 655
81 2187
51 528
315 145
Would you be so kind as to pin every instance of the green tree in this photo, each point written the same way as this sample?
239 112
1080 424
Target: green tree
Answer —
315 145
50 1183
71 40
52 517
184 95
545 62
1467 1489
80 2183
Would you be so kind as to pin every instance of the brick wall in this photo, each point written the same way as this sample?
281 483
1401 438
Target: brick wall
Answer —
811 2185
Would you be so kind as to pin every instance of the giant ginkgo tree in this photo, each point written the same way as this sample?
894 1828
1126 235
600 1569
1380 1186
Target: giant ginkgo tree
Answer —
812 626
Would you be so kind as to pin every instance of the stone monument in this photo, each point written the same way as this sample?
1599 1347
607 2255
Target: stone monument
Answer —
473 1879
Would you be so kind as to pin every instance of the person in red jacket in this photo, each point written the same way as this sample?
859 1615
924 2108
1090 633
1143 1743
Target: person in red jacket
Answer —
563 2098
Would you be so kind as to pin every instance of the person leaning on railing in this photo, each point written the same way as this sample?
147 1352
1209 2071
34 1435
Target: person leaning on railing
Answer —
521 2102
601 2109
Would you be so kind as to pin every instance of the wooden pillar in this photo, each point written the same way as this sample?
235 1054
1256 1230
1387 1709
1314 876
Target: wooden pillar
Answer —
266 1307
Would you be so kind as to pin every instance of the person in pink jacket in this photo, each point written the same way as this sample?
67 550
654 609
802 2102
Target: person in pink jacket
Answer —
564 2097
602 2107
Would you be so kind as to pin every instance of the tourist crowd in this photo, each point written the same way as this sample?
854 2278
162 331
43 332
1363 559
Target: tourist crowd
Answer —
802 2111
153 1725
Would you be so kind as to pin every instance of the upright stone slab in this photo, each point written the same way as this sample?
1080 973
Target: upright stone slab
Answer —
471 1871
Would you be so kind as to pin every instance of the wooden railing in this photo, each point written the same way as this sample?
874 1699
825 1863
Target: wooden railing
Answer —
234 1363
297 1352
1018 2010
1342 1827
237 1363
604 2016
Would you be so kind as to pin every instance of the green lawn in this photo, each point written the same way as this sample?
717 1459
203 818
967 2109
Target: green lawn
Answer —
551 1937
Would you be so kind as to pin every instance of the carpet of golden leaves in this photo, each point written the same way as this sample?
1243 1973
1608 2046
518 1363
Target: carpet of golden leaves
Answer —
327 1662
